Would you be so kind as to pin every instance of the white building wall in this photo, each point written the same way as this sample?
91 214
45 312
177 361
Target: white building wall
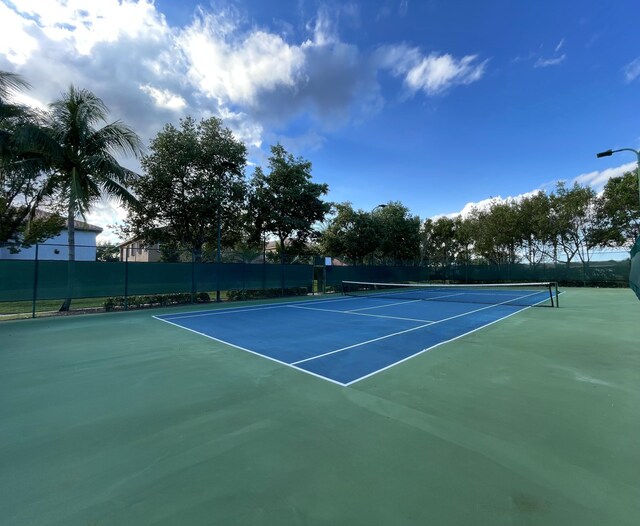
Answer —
57 248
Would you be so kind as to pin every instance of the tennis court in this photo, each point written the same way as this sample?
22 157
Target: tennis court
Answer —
125 419
373 327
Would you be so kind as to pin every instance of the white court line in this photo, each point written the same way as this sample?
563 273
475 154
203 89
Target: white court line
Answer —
442 343
404 302
231 310
402 332
395 295
292 366
362 343
355 313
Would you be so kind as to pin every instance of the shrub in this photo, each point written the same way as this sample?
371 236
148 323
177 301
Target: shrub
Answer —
256 294
155 300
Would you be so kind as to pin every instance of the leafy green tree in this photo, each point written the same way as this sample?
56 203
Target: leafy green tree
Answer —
399 233
286 201
536 230
351 233
440 245
573 221
22 171
618 212
495 231
107 252
192 185
82 157
464 236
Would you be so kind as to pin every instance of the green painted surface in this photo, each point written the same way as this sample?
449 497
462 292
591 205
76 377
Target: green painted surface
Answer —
118 419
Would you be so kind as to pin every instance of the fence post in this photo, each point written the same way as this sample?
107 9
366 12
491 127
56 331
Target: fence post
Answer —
264 273
126 278
193 276
282 275
35 284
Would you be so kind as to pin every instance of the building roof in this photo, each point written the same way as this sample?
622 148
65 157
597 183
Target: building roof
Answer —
78 225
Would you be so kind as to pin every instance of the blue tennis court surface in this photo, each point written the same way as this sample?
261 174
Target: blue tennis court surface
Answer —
344 339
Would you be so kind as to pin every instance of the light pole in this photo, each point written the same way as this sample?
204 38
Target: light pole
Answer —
609 153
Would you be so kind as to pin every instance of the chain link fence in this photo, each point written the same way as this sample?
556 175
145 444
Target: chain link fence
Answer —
36 281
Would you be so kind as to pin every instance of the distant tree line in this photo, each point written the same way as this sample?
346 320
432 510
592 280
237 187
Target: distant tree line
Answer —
194 196
566 225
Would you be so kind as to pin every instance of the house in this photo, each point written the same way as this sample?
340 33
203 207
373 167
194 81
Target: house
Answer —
57 247
135 250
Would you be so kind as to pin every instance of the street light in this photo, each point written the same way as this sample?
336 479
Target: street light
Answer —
609 153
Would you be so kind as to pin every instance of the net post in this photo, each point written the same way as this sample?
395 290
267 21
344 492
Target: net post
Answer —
557 294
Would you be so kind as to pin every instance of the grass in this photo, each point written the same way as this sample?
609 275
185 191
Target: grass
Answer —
22 309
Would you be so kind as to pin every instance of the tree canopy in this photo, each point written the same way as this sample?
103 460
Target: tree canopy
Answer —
23 170
192 184
286 202
82 156
352 233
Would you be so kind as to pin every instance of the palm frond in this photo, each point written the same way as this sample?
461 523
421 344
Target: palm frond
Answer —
10 82
118 138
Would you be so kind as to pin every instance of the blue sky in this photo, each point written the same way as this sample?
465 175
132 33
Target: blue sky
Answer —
433 103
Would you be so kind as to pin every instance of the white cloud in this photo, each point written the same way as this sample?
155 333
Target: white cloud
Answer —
436 73
598 179
16 44
323 29
22 98
164 98
595 180
433 73
218 64
85 25
106 214
235 68
485 204
632 70
546 62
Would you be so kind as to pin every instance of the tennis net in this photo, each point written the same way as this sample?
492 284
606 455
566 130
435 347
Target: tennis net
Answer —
520 294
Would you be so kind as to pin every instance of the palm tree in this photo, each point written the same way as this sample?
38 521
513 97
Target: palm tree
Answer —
83 162
10 83
11 116
23 167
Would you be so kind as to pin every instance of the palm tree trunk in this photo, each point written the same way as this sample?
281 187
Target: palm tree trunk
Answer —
66 305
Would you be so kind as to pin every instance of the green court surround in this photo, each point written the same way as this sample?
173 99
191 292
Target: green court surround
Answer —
118 419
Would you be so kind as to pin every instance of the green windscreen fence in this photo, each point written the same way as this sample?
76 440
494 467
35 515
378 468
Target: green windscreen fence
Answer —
634 274
22 280
44 280
17 280
335 275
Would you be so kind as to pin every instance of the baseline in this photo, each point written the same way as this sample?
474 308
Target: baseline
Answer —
235 346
